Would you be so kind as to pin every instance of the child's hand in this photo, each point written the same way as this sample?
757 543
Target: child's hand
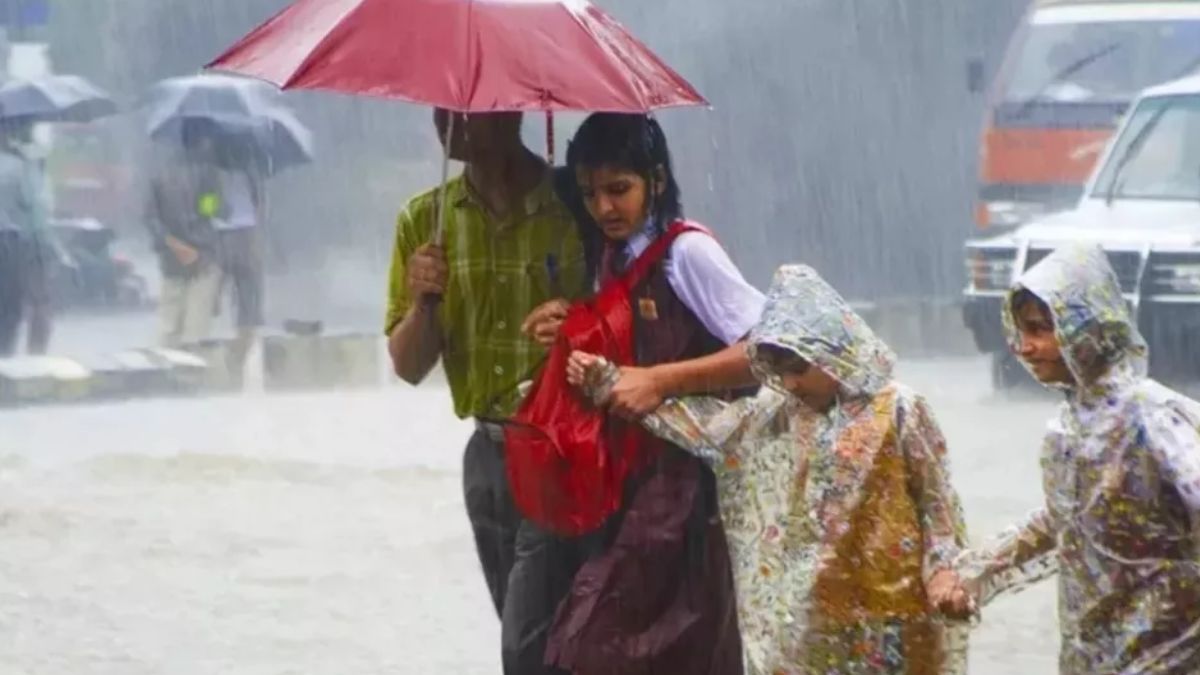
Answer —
579 367
949 596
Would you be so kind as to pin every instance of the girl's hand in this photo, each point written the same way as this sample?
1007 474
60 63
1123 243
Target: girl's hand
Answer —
637 394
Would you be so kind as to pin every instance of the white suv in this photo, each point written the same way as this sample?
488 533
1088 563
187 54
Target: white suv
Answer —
1142 204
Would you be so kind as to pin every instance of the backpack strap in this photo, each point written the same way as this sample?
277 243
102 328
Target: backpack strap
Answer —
657 250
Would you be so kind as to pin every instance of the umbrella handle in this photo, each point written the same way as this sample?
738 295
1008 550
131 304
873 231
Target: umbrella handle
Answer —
439 236
439 231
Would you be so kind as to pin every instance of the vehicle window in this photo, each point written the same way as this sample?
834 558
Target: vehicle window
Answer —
1158 154
1103 61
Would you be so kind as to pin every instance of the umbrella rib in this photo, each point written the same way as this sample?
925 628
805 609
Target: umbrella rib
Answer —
466 101
626 73
318 52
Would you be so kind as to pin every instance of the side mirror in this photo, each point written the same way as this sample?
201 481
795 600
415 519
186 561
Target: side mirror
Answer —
975 77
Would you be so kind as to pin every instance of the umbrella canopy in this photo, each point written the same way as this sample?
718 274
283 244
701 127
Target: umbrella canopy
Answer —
55 98
464 55
237 111
210 95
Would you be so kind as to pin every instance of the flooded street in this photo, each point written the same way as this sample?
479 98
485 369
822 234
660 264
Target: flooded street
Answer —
210 172
324 533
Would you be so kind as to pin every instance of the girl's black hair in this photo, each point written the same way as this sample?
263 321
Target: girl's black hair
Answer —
630 142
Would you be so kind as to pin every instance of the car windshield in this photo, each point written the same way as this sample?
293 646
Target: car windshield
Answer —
1103 61
1157 155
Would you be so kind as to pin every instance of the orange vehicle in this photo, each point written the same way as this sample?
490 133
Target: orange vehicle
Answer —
90 178
1070 72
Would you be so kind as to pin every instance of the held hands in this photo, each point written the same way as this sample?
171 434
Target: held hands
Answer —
580 367
636 394
545 320
949 595
427 272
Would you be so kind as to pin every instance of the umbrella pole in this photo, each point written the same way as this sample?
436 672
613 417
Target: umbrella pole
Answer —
439 236
550 138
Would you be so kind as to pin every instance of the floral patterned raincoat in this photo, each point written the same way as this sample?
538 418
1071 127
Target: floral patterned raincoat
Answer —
1121 475
836 520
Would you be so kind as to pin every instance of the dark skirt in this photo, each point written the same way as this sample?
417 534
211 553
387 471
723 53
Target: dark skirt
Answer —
659 600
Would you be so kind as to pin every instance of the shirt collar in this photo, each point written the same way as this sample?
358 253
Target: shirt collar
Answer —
638 243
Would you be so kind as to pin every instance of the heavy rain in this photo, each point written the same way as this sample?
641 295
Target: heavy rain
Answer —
249 487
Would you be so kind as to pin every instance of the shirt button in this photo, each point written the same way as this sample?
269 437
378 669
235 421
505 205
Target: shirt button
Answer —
503 278
502 325
498 370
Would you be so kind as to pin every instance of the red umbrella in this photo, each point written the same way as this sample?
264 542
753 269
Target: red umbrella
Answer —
464 55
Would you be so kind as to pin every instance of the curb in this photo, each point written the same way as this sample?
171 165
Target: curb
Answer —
290 363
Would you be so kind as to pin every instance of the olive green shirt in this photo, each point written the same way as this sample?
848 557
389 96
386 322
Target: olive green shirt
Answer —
499 272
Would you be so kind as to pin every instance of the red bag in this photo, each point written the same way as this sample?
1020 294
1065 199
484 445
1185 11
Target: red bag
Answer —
567 461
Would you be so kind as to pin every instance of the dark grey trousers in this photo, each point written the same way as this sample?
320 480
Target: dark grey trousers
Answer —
12 290
528 570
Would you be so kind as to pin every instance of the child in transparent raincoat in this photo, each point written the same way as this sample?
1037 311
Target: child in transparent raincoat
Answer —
1121 470
835 494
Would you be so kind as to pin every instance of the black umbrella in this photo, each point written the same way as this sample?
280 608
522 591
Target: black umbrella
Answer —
240 112
54 98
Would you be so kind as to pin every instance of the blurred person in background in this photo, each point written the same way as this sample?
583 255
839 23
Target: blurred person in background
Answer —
240 213
26 249
179 216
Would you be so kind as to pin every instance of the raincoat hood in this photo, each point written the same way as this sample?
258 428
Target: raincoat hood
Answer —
805 315
1091 317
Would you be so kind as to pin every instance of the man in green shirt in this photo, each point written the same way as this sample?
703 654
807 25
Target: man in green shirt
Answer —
509 245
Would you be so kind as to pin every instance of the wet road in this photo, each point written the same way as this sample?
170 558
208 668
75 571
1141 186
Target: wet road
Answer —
324 533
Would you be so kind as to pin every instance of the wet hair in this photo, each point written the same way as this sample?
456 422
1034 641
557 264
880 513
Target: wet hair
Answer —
630 142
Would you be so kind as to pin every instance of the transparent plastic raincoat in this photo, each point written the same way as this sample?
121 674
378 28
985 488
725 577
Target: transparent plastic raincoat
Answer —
835 521
1121 469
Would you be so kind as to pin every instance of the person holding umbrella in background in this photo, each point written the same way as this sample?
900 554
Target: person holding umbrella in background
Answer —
179 216
240 214
236 133
27 251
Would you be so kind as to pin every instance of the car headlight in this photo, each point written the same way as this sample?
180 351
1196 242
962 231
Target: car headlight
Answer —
1178 277
990 270
1007 213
